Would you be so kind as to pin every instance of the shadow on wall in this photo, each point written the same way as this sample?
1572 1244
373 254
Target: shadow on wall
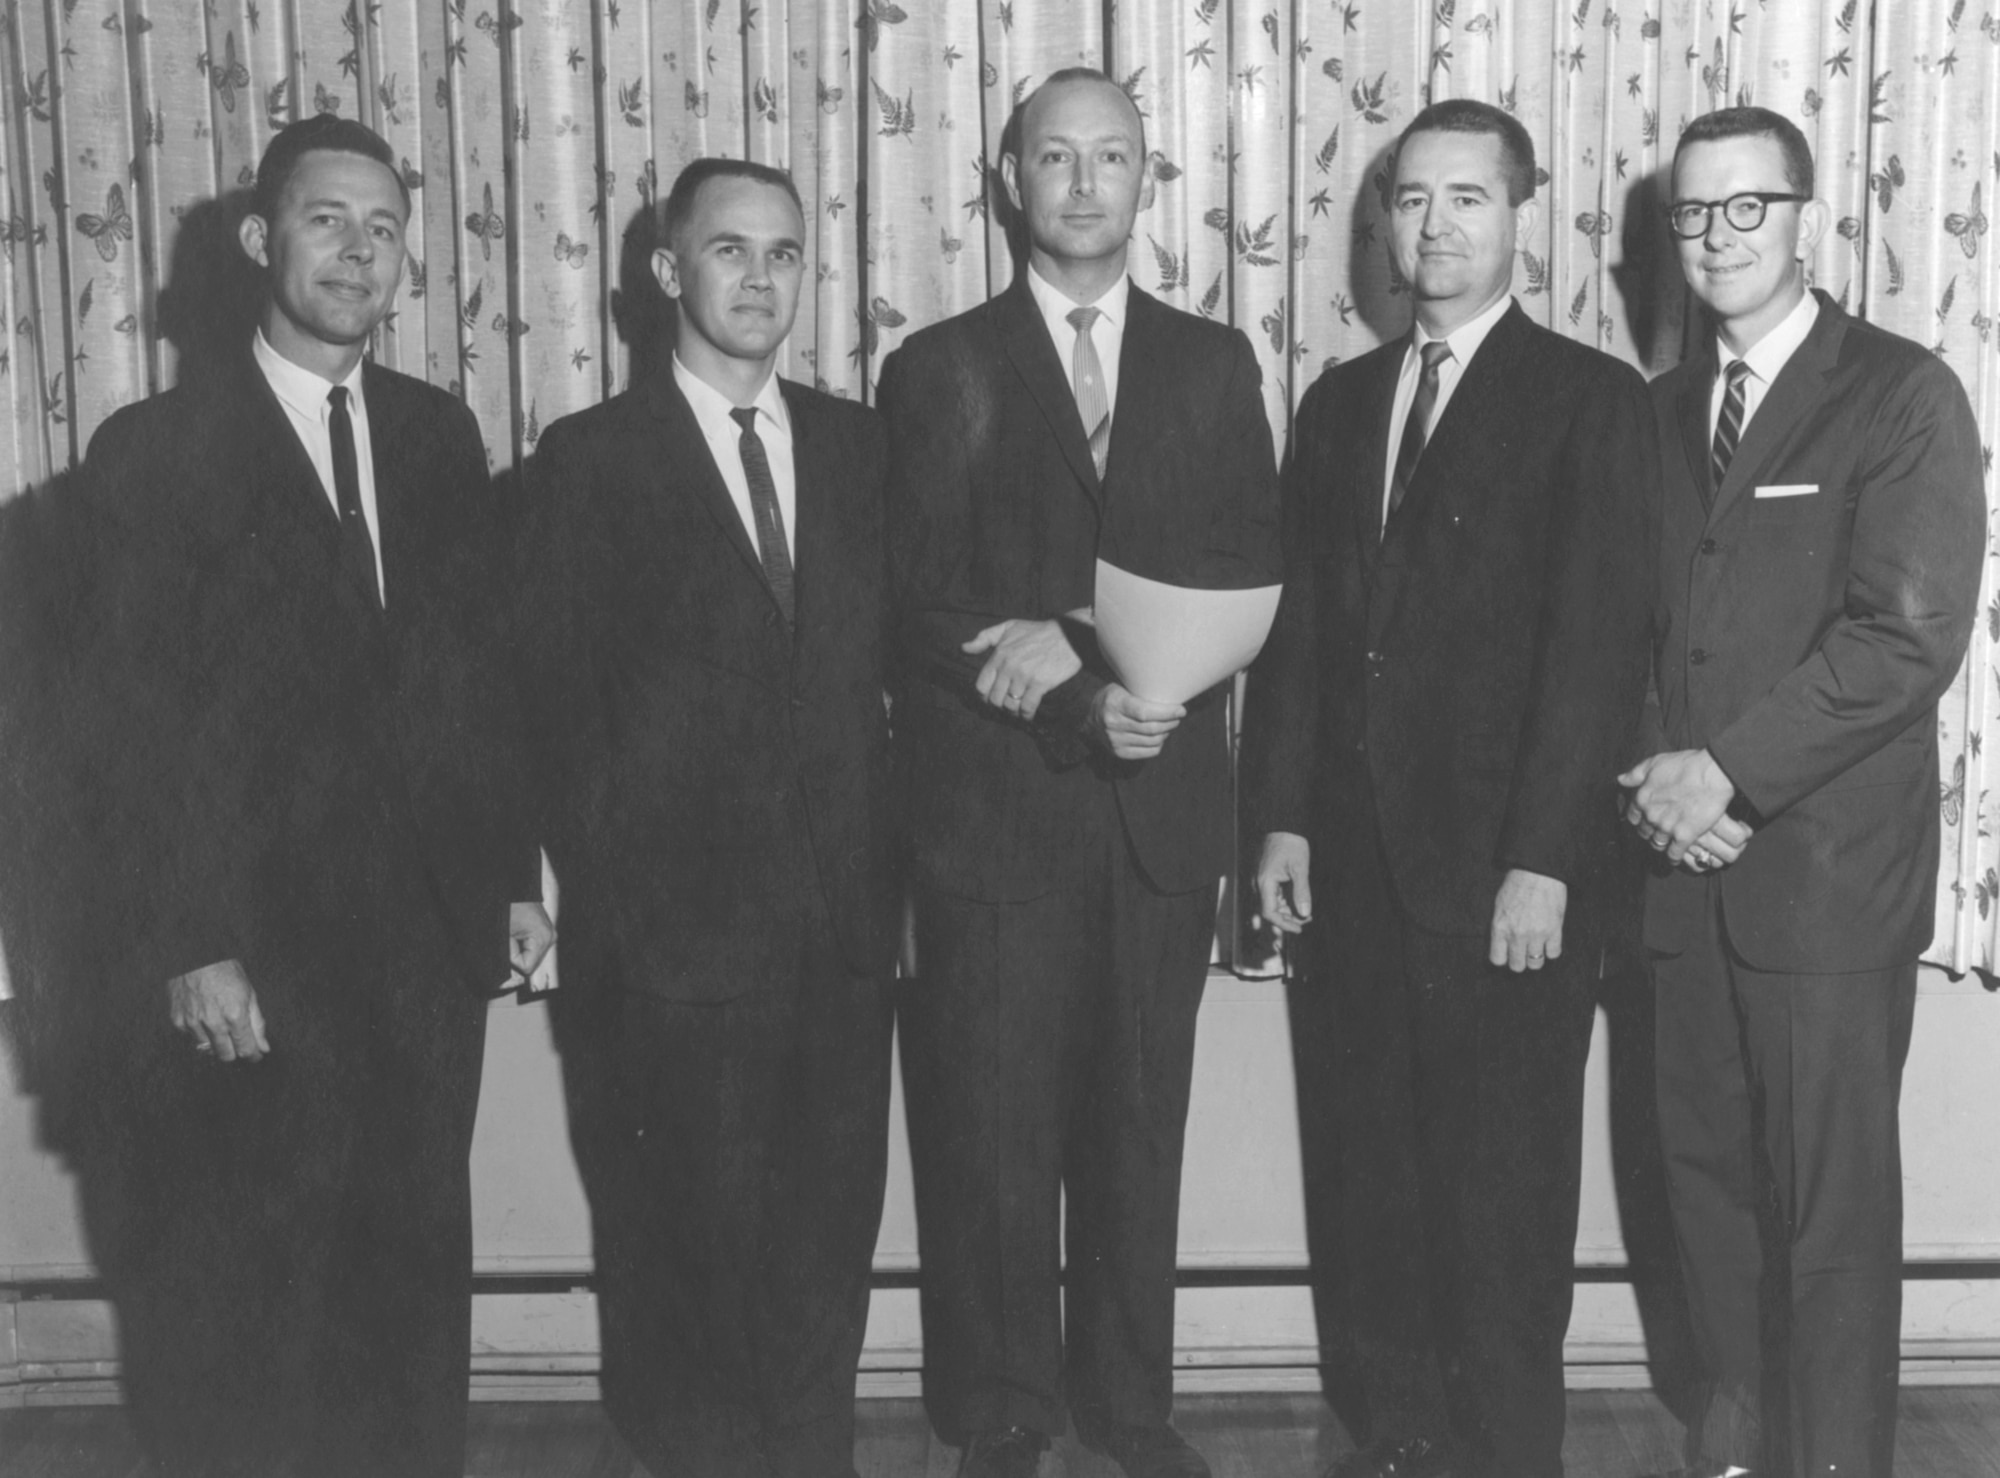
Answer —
1380 295
1648 277
642 315
57 834
209 306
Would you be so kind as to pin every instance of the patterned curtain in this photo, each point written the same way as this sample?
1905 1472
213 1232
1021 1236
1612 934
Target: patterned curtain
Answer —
532 132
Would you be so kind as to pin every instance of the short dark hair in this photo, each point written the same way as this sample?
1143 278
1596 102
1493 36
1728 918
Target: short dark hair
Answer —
322 132
1753 123
679 207
1469 115
1010 137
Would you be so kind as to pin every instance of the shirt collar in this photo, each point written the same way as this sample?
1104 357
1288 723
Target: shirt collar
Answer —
1056 304
298 388
1468 336
712 407
1768 355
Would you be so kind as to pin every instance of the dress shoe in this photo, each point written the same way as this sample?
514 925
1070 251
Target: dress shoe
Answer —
1412 1457
1004 1452
1150 1452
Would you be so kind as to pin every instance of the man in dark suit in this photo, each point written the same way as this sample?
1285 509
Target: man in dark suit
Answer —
1458 664
1068 836
1821 542
706 618
320 838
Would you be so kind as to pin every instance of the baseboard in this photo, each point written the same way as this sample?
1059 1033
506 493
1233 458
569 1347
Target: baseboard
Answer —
91 1385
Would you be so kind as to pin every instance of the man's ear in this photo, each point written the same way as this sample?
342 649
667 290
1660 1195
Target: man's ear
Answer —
1525 215
1814 218
1010 176
665 272
251 234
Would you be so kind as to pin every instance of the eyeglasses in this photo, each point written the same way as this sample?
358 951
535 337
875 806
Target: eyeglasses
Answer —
1690 218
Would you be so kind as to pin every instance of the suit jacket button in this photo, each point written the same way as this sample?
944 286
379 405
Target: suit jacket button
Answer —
1697 656
1708 546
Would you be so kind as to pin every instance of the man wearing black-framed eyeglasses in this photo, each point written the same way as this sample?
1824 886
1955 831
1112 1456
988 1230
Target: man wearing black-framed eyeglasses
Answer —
1744 211
1820 542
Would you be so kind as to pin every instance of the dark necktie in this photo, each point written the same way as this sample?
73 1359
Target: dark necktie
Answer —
1416 430
764 509
357 550
1728 425
1092 403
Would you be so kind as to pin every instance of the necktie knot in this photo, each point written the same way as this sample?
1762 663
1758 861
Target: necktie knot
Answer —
746 417
1081 319
1737 372
1435 353
337 398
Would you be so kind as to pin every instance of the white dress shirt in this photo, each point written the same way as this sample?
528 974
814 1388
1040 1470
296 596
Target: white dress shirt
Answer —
1766 357
1464 341
303 394
1107 333
725 443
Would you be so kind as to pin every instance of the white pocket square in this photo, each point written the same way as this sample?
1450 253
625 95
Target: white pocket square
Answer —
1787 489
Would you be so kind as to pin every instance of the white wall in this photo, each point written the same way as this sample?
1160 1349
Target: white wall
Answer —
1242 1208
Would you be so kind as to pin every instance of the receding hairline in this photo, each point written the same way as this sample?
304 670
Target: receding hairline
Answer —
1059 81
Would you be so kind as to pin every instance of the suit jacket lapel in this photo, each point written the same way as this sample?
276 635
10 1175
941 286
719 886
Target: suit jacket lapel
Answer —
1019 322
285 500
1696 435
1465 433
1143 368
1795 392
809 461
1378 400
398 509
1467 427
685 455
275 464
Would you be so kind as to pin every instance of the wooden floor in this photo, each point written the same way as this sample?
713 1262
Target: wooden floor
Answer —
1946 1432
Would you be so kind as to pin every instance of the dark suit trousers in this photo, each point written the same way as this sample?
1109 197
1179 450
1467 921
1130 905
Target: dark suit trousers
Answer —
734 1260
289 1242
1459 1100
1781 1091
1048 1048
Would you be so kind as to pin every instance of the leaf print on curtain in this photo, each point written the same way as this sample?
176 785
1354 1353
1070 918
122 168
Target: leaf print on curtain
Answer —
533 133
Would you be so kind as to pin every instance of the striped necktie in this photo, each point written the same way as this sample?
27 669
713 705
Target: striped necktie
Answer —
1092 403
1729 425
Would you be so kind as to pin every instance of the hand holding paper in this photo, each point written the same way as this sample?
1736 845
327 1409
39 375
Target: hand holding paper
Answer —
1130 727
